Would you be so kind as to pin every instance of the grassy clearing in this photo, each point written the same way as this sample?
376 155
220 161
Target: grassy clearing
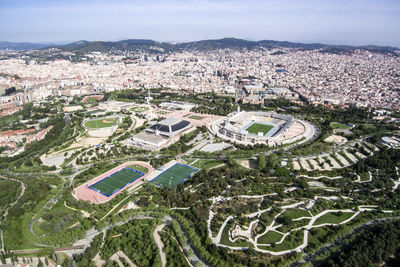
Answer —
296 213
189 161
334 217
238 243
207 163
338 125
292 241
269 238
267 217
138 168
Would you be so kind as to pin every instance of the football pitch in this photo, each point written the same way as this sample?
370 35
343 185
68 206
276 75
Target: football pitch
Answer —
116 181
175 175
259 127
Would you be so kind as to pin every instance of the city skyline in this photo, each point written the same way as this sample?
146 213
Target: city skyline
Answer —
332 22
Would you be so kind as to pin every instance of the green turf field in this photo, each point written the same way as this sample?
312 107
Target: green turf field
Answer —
115 181
92 99
259 127
174 175
101 123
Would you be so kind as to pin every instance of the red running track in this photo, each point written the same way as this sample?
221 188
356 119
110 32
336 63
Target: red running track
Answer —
83 191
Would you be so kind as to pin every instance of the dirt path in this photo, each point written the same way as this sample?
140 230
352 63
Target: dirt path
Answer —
84 213
20 194
181 249
10 206
97 259
160 244
218 166
116 205
120 254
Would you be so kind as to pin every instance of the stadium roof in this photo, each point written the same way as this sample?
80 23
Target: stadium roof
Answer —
170 126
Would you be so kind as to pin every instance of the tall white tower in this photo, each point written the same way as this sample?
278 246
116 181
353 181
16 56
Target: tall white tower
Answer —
148 98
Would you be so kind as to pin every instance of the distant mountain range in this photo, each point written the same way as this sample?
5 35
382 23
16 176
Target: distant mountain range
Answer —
204 45
21 46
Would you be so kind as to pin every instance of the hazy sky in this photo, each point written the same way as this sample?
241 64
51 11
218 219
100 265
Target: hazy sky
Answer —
328 21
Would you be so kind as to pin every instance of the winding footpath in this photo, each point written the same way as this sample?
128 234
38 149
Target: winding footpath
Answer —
160 244
10 206
20 194
272 227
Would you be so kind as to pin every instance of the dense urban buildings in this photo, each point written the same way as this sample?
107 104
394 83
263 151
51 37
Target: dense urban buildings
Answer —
361 78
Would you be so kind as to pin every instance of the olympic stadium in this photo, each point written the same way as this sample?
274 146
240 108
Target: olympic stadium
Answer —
259 127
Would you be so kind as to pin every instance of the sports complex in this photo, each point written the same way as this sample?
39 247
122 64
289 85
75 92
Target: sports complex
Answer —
174 175
111 183
101 122
259 127
116 181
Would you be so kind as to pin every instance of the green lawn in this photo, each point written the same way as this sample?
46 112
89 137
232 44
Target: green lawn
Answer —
174 175
269 238
189 161
259 127
238 243
101 123
334 217
116 181
293 240
295 213
338 125
195 117
207 163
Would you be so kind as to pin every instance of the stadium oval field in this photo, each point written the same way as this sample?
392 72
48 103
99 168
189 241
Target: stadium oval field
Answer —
113 182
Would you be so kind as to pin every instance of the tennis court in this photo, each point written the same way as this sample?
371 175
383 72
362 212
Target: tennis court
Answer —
175 175
116 181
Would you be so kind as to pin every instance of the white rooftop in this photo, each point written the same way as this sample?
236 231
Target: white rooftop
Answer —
170 121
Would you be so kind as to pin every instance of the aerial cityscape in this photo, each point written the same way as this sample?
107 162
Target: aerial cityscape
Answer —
183 146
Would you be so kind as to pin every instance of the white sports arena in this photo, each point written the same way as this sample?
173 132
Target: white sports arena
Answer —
162 132
285 128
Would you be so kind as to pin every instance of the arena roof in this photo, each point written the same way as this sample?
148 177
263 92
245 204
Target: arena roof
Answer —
170 126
